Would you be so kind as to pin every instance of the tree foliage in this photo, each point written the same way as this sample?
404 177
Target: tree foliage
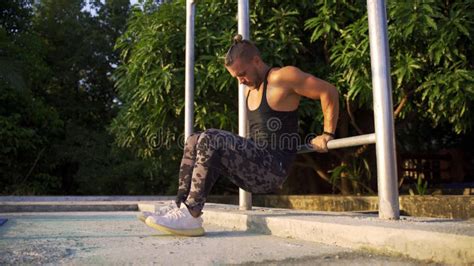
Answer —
431 65
431 52
57 97
66 95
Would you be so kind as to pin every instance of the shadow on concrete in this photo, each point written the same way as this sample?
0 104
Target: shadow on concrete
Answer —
227 234
70 237
297 214
432 220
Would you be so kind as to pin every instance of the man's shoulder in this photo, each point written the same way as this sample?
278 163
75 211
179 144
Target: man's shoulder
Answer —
284 75
285 70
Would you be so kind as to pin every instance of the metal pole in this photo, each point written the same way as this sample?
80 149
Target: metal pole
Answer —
342 143
245 198
189 72
383 111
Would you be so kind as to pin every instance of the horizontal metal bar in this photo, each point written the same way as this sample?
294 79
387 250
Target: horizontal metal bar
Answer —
342 143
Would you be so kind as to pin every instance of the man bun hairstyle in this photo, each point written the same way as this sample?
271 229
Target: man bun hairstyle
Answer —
238 38
241 49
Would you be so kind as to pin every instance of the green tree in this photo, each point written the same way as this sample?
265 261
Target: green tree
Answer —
80 53
27 124
431 52
57 97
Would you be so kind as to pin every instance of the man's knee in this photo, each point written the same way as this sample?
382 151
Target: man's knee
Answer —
208 139
212 132
193 138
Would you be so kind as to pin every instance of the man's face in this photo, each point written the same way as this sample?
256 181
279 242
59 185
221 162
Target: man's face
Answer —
245 72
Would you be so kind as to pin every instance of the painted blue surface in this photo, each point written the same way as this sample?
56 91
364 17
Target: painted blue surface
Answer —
3 221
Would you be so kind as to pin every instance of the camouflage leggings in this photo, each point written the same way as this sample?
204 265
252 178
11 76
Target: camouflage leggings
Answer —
212 153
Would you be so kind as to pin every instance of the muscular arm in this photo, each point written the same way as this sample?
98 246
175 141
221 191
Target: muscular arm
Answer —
311 87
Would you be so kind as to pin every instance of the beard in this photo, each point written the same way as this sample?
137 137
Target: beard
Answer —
257 81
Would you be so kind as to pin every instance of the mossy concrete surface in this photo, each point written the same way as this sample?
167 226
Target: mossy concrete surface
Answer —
446 206
440 206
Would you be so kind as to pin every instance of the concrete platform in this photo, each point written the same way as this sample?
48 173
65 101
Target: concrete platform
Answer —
112 238
428 239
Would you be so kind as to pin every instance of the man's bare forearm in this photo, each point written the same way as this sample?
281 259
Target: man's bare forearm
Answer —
330 108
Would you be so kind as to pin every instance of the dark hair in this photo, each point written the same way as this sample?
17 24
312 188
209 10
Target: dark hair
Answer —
240 48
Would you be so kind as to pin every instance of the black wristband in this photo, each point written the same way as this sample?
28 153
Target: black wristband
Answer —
329 134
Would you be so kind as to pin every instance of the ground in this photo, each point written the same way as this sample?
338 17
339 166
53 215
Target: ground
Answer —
118 237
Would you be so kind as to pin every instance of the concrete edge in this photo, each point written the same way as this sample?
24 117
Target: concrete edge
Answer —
66 206
423 245
31 199
78 204
447 206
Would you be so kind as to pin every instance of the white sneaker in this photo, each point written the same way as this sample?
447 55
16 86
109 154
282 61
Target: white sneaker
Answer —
178 222
160 211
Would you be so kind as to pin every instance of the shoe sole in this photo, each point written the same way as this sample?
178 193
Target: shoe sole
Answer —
186 232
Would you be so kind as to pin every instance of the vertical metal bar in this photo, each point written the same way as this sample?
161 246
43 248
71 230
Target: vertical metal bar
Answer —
383 111
189 72
245 198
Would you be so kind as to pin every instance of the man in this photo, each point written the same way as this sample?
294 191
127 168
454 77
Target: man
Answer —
258 164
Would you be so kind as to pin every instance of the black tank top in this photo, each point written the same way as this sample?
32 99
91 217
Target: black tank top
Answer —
274 130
